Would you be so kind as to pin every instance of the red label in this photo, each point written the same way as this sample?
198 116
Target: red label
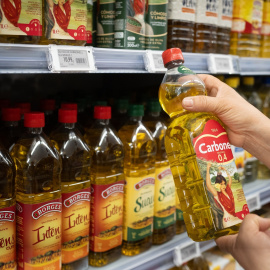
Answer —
7 238
34 28
76 225
107 216
39 235
164 173
146 181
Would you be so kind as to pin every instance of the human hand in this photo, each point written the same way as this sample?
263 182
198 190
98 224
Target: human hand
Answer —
251 246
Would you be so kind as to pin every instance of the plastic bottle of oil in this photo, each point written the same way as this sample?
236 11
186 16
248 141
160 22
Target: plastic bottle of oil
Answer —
164 205
120 116
38 196
107 185
200 157
7 211
181 22
265 43
75 181
48 107
180 224
265 91
224 26
246 28
10 130
206 26
139 167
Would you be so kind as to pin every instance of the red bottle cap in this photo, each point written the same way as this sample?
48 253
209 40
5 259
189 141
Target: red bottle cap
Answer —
171 55
25 107
47 105
102 112
69 106
67 116
34 119
11 114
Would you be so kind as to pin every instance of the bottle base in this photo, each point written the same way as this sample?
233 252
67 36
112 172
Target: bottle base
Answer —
162 236
180 227
81 264
134 248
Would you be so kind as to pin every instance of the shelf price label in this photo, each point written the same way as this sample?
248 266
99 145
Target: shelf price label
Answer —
71 59
153 61
253 202
186 252
219 63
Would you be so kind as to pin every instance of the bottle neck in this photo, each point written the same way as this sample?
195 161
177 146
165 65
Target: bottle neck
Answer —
174 64
69 125
11 123
36 130
103 121
154 114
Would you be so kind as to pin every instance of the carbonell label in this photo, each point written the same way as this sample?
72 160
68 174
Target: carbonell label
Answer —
217 168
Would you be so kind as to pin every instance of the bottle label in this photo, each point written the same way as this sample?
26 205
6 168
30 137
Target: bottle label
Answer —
207 12
266 19
182 10
217 167
247 18
76 225
8 238
39 235
164 198
21 17
139 207
179 212
89 26
65 20
184 70
106 216
225 13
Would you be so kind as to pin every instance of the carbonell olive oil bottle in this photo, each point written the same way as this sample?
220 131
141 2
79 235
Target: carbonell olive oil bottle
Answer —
38 196
164 205
75 182
139 168
107 187
8 258
200 156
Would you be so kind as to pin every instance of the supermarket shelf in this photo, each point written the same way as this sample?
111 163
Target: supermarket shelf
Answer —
161 257
254 66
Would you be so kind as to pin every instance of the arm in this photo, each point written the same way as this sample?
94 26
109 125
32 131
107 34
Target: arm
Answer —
208 181
230 179
246 126
50 3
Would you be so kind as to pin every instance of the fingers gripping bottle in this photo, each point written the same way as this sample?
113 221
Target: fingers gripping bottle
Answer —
200 156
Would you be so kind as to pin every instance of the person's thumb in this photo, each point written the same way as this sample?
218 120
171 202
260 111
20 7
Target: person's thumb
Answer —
226 243
201 104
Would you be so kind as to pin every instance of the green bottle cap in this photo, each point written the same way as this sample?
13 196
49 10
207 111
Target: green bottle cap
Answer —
153 106
122 104
100 103
136 110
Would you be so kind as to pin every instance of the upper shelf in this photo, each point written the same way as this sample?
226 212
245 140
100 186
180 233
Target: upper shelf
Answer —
20 58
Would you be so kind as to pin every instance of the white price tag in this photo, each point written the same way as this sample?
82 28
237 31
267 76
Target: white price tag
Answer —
253 202
71 59
186 252
153 61
218 63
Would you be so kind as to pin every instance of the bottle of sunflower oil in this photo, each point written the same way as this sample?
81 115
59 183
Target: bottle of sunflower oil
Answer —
246 28
75 181
38 195
139 167
164 205
7 211
10 130
107 185
180 224
200 157
265 46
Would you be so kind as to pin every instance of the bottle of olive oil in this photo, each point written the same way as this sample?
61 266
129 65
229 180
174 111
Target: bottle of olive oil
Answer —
180 224
164 205
107 185
49 108
7 211
139 167
38 196
75 181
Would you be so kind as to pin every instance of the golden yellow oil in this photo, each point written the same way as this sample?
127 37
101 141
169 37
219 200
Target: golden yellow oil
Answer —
180 224
139 162
107 168
189 183
75 176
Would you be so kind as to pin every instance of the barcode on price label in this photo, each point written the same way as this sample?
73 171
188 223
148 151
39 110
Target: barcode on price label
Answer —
220 63
186 252
73 58
254 203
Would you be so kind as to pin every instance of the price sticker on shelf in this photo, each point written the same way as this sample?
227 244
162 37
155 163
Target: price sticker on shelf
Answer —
153 61
71 59
253 202
219 63
186 252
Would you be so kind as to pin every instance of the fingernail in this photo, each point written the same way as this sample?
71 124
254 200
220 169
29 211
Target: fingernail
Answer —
187 102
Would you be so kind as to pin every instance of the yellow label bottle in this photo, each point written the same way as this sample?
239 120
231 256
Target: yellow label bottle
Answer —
200 157
39 204
107 188
8 257
164 205
139 169
75 181
265 46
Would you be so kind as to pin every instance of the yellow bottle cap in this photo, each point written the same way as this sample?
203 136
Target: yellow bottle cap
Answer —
248 80
233 82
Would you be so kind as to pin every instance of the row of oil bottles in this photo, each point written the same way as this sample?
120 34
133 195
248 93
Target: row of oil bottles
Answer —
83 198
